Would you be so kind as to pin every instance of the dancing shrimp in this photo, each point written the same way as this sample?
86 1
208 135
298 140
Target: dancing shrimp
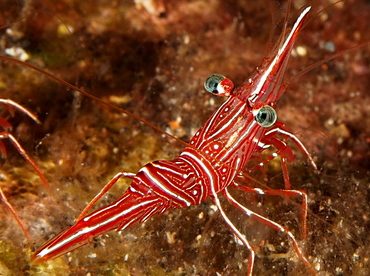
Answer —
243 126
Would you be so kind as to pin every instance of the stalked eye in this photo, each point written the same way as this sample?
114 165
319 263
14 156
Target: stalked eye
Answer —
266 116
219 85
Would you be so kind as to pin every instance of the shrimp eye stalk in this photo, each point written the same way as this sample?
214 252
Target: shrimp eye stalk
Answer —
219 85
266 116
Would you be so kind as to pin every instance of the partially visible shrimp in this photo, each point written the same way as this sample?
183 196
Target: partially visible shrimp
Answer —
6 134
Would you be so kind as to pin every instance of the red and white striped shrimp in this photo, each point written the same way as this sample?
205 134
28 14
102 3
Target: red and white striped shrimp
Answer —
284 113
218 152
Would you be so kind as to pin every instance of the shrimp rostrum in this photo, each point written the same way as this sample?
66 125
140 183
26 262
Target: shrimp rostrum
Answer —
242 127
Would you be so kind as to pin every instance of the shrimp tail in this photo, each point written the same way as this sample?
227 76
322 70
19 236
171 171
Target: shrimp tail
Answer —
122 213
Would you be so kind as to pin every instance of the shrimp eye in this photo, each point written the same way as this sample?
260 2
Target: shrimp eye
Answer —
219 85
266 116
